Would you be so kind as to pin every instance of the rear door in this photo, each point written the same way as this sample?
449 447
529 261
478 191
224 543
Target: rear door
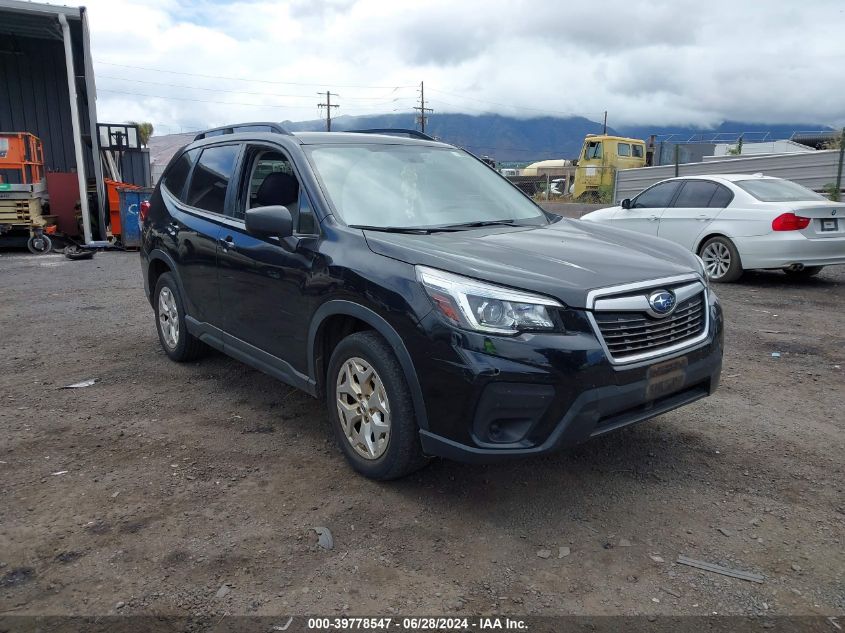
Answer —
697 203
647 207
189 234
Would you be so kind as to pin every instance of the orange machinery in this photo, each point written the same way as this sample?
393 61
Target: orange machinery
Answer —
21 159
21 186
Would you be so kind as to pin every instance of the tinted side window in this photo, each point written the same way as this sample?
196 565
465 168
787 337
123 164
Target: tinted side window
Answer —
176 176
211 177
658 196
623 149
695 194
638 151
721 198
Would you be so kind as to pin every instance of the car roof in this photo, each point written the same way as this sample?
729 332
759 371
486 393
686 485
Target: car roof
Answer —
725 177
354 138
318 138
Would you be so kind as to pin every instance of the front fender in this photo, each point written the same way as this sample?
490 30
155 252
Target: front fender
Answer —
379 324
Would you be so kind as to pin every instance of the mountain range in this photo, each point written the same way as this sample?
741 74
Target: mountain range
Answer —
508 139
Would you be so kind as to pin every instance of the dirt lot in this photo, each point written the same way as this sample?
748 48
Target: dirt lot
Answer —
160 484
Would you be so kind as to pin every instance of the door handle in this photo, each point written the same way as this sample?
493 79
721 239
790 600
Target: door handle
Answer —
703 218
653 218
227 242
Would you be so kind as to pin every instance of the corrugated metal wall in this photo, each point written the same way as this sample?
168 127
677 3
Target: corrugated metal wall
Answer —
814 170
34 96
135 168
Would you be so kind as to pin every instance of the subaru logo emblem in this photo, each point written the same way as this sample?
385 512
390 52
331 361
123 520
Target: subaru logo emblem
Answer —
833 212
662 302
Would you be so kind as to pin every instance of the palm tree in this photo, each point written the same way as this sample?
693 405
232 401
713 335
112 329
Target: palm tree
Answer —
145 131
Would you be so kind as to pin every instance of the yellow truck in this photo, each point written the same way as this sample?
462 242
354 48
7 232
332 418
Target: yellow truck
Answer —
600 157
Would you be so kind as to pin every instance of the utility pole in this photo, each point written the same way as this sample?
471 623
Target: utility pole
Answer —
328 105
605 123
421 119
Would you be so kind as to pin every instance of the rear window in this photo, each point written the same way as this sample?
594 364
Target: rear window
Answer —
777 190
695 194
211 177
176 176
721 198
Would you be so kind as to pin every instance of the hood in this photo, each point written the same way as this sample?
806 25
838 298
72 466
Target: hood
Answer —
564 260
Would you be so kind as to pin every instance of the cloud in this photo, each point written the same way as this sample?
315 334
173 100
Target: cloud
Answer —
650 63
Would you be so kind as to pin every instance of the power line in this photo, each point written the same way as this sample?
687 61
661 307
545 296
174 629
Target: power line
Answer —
385 98
328 105
421 118
236 103
263 81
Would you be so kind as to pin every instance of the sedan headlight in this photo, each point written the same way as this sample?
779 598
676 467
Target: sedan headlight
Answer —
475 305
702 269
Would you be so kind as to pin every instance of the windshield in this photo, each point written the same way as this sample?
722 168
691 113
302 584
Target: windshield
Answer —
407 186
777 190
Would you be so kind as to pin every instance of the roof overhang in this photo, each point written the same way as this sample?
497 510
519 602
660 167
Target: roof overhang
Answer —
35 19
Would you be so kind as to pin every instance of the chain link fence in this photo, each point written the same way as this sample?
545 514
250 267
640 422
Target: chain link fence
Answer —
543 187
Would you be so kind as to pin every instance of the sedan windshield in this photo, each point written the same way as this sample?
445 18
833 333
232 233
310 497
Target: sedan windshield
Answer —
777 190
417 186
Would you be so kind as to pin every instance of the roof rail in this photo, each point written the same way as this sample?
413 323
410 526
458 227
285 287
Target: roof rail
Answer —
260 126
395 132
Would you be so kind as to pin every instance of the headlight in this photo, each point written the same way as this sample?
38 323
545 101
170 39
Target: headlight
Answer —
475 305
703 272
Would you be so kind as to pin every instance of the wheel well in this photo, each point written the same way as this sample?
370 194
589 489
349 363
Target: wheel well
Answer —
704 239
332 331
157 268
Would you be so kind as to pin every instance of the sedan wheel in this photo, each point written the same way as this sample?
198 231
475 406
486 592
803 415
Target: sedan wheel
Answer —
721 260
362 408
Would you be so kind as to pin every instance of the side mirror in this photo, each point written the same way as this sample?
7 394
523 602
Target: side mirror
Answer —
272 221
626 203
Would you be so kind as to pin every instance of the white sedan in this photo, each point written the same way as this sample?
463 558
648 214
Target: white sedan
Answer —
736 222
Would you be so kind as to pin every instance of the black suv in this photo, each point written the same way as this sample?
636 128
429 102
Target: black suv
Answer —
435 307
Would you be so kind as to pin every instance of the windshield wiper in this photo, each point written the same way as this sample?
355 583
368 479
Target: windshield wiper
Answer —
413 230
480 223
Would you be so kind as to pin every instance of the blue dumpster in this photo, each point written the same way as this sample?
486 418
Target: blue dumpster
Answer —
130 207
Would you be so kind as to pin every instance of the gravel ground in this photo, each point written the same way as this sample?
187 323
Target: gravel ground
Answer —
195 489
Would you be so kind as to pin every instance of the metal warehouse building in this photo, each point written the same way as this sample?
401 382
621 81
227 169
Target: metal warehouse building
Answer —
47 89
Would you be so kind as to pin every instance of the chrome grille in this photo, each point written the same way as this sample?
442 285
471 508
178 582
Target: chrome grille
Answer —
630 334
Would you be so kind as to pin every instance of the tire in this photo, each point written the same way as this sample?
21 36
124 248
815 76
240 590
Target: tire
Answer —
39 245
804 273
393 449
721 257
178 343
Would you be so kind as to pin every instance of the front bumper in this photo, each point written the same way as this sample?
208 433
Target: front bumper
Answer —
782 249
492 398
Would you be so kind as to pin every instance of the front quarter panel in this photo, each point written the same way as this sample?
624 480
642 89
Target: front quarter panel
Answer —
601 215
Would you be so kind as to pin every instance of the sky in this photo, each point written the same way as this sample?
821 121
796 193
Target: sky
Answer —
191 65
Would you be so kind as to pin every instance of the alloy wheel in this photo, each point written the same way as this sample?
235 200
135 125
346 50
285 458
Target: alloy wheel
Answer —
717 260
363 408
168 317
